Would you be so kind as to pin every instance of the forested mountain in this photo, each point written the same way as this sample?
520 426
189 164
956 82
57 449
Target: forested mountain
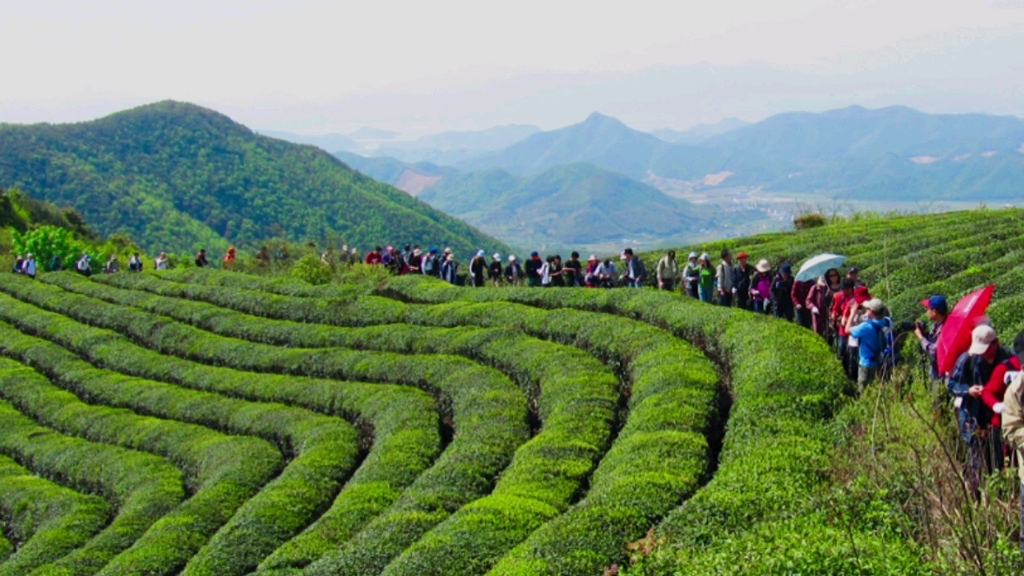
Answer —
177 177
571 205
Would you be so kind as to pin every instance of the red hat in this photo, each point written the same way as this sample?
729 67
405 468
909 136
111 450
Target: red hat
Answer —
861 294
742 255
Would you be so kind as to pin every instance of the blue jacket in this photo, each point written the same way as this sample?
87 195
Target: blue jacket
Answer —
869 333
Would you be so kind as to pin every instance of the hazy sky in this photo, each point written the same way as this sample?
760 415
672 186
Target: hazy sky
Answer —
418 67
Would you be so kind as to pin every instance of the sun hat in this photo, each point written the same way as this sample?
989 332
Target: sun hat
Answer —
692 255
447 250
592 258
981 338
479 252
764 266
937 303
705 256
511 257
496 256
874 304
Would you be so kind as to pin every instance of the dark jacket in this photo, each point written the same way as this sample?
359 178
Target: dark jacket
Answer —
533 268
782 290
513 272
973 414
741 278
494 271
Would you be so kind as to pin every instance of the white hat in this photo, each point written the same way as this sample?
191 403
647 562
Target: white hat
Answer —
511 257
693 255
417 252
705 256
592 258
981 338
764 266
875 305
479 252
447 250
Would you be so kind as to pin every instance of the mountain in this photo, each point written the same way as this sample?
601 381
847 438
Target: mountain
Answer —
573 205
454 147
700 132
367 133
328 142
410 178
177 177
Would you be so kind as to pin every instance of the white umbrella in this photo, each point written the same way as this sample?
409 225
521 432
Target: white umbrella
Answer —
818 265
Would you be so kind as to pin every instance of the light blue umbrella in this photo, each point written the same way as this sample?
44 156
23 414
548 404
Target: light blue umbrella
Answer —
818 265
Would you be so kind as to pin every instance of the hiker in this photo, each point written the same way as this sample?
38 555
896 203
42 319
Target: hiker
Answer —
801 289
19 263
835 314
819 302
343 256
635 271
228 261
723 275
82 266
667 271
782 292
761 287
374 257
495 270
994 396
415 262
28 267
112 265
513 272
162 262
854 274
201 261
938 310
590 278
545 272
572 271
56 264
533 270
431 265
691 275
450 269
353 257
706 280
870 333
606 273
967 382
478 269
741 275
135 263
1012 421
853 314
557 272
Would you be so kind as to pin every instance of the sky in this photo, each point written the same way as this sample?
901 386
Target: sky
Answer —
420 67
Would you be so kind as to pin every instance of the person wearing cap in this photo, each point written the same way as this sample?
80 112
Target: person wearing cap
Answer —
691 275
938 311
29 266
450 269
782 292
854 274
723 276
966 383
870 334
667 271
1012 420
415 261
761 287
495 270
477 269
741 275
706 281
819 302
572 270
431 263
513 272
532 270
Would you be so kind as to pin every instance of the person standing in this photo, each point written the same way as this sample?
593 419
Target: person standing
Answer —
201 261
478 269
1012 422
782 290
513 272
450 270
19 263
723 275
691 275
495 270
937 310
557 271
799 293
229 259
761 287
533 270
573 270
431 266
29 266
135 263
415 261
667 271
545 272
967 382
870 332
741 275
819 302
706 280
83 266
635 271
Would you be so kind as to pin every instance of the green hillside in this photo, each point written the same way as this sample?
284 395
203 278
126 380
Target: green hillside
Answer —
177 177
573 205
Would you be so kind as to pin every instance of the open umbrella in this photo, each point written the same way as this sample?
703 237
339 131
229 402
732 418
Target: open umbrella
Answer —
818 265
956 331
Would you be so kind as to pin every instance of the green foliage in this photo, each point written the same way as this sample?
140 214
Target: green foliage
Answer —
177 178
310 269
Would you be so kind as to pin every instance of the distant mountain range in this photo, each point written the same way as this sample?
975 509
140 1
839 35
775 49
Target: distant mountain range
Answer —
177 177
700 132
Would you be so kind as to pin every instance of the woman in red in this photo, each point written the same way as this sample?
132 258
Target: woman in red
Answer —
992 395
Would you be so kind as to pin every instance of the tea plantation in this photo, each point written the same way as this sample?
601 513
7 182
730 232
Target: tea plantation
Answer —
199 422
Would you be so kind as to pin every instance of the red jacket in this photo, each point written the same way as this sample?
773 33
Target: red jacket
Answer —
373 258
800 291
995 388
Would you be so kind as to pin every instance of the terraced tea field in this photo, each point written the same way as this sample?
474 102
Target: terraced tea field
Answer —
207 423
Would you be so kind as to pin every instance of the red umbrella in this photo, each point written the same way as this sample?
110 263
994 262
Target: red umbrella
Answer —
956 332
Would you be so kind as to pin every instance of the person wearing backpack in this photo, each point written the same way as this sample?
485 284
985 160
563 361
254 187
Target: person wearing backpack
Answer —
871 337
967 383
